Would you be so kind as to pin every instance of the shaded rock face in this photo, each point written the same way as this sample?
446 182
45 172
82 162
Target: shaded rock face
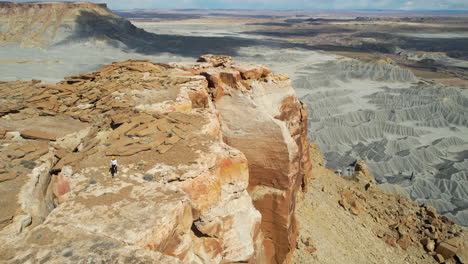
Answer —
66 27
55 22
261 116
189 187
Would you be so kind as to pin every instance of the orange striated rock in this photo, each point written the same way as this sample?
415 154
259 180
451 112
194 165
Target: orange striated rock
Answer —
262 117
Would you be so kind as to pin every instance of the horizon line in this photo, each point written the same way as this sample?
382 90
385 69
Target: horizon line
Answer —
298 9
247 9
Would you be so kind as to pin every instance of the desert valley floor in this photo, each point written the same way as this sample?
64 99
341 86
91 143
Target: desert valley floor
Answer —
375 89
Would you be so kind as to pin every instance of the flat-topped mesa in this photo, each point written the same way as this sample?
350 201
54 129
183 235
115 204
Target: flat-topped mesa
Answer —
262 117
69 5
180 190
211 157
58 23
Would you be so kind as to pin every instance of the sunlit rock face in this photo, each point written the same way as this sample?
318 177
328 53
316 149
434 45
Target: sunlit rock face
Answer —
205 151
270 129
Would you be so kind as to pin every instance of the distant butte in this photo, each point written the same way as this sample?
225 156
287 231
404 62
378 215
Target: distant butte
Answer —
69 5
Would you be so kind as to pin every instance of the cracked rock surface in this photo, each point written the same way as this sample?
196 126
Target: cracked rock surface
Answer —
187 187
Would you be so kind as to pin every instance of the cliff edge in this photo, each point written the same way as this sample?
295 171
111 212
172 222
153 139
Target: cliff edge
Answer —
205 151
214 166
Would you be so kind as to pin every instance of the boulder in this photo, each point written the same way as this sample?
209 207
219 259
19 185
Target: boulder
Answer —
450 247
68 159
431 211
252 71
215 60
36 134
7 175
356 206
344 203
361 171
428 244
439 258
462 254
404 242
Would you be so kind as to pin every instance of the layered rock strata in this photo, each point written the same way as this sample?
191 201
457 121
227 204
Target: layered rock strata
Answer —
45 24
185 173
271 130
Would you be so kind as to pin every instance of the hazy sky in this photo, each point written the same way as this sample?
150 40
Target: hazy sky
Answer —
289 4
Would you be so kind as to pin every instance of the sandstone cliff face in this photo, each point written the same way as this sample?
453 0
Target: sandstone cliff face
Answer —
261 116
207 173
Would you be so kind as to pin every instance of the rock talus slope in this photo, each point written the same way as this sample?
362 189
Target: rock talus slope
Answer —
350 220
190 188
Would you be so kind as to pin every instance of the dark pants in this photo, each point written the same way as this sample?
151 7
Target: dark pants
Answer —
113 170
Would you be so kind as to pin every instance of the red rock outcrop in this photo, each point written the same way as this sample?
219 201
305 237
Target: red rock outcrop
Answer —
262 117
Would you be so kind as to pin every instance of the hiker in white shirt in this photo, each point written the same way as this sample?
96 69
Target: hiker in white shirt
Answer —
113 168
